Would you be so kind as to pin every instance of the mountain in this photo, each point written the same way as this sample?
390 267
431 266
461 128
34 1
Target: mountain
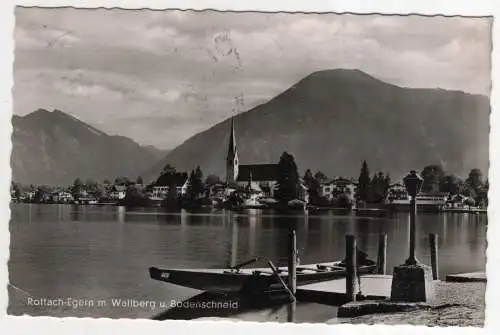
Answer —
54 148
157 153
332 120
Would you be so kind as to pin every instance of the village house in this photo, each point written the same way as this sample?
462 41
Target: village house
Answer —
335 187
397 194
459 201
182 190
159 192
62 196
30 195
118 192
433 198
216 190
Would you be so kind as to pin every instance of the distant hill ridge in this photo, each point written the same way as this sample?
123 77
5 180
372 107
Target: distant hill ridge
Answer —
332 120
54 148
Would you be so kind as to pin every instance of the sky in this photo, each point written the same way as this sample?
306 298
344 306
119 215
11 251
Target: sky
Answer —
160 77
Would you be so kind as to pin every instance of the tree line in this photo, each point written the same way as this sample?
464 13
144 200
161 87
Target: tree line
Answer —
370 188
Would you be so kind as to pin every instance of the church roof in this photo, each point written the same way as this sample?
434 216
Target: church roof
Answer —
258 172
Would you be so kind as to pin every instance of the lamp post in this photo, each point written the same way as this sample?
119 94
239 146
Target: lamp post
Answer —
412 281
413 183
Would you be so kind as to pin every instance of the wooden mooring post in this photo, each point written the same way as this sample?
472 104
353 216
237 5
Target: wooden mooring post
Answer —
292 272
382 254
433 244
351 268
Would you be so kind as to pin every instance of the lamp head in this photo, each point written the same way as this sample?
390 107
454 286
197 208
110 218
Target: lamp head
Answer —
413 183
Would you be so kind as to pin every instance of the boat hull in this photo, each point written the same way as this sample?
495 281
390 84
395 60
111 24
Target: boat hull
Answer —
248 279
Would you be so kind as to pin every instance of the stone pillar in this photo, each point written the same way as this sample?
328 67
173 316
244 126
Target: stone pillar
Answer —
412 283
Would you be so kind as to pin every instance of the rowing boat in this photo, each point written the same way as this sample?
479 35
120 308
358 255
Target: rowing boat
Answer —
237 278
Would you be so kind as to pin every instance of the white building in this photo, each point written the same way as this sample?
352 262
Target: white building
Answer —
159 192
118 192
397 195
336 187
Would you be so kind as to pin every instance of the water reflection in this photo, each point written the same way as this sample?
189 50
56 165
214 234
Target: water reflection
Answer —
253 220
105 251
121 214
234 243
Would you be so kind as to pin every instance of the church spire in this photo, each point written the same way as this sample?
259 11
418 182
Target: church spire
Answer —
232 157
231 150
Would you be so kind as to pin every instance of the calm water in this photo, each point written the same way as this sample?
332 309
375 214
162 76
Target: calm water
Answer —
102 253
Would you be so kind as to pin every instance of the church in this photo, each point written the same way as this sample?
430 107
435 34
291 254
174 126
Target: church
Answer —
260 177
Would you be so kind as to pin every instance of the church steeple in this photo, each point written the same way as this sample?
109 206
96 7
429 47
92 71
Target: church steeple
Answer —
231 150
232 157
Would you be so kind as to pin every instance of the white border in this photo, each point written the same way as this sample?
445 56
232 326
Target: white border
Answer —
75 326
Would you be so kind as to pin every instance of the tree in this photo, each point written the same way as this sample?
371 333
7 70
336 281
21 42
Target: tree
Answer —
387 181
135 198
288 179
124 181
313 186
16 190
320 177
40 195
77 188
212 180
170 177
433 176
344 201
168 169
308 178
172 199
139 181
470 202
378 187
451 184
91 186
78 182
198 174
475 179
195 185
364 182
235 199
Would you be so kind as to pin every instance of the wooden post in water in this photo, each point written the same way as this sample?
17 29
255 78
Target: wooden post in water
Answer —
433 243
292 261
351 268
292 272
382 254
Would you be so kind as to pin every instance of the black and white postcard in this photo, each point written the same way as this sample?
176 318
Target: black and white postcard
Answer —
320 167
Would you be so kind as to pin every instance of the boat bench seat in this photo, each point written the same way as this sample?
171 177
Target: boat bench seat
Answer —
329 267
260 272
311 269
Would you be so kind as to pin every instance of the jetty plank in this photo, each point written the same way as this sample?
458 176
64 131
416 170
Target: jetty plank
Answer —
467 277
334 291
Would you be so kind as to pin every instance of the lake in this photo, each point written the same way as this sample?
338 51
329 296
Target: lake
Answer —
93 253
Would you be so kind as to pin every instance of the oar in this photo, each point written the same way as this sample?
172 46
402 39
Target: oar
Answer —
238 266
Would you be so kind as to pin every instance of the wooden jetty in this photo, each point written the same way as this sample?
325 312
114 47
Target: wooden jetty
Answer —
373 287
333 292
467 277
354 291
